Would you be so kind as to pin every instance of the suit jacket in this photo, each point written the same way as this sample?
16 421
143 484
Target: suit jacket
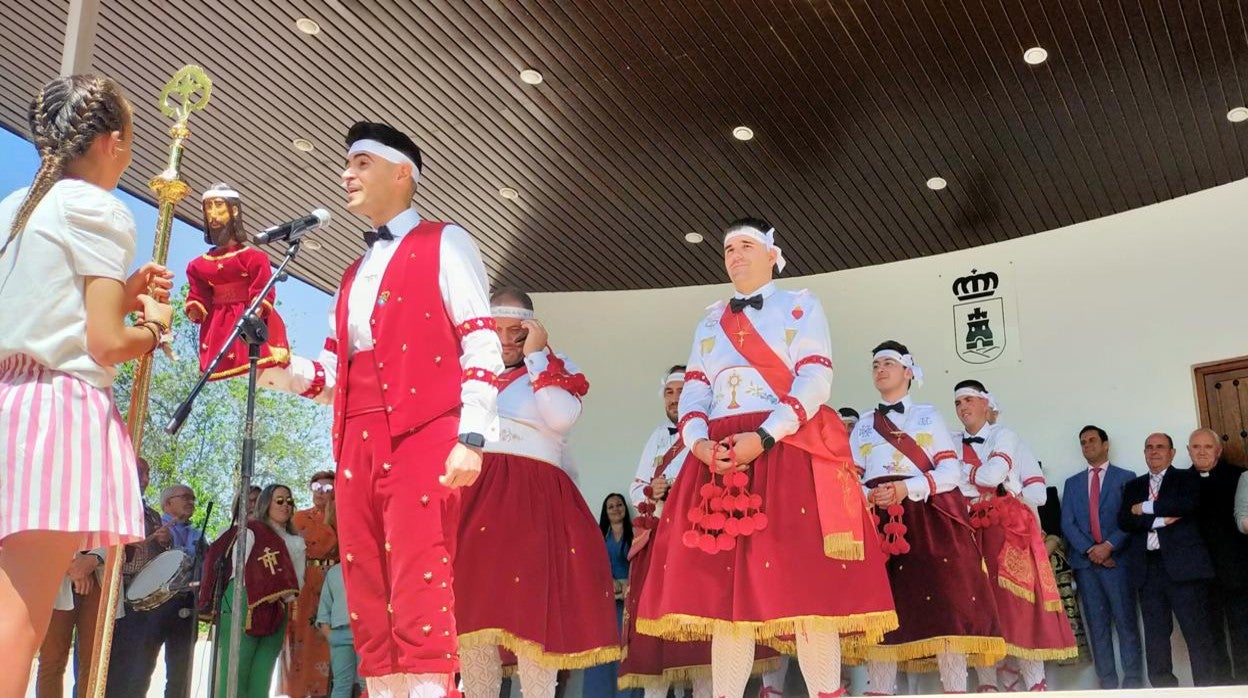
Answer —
1076 522
1183 551
1216 519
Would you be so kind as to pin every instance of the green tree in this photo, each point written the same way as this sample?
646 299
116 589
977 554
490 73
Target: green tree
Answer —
292 433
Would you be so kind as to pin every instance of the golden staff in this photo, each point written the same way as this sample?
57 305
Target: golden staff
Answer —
186 92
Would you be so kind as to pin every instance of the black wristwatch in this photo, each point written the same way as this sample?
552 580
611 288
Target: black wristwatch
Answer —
768 440
472 439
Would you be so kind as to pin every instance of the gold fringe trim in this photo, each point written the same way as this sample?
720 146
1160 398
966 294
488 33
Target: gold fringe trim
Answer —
980 650
1044 654
685 675
534 651
266 362
1016 589
868 627
842 546
1054 606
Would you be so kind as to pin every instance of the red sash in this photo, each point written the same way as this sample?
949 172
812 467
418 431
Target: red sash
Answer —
837 490
646 522
903 442
511 375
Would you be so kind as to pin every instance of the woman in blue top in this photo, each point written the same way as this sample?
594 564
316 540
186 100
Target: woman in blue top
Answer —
617 530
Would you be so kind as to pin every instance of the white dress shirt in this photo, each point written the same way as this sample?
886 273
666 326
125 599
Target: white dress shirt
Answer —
793 325
661 439
536 424
465 294
923 423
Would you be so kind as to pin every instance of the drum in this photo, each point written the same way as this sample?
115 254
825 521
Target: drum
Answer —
160 580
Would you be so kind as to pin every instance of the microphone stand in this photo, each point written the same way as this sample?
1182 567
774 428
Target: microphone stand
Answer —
252 330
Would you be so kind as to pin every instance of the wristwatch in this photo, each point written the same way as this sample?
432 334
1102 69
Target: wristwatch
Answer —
768 439
472 439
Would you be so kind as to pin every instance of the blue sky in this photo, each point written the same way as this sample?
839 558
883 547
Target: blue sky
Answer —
303 307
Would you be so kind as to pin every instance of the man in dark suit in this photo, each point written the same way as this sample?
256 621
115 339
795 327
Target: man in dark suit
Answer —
1228 600
1090 505
1168 564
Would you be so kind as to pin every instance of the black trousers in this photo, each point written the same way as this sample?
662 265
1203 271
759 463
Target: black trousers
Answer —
137 639
1229 608
1161 601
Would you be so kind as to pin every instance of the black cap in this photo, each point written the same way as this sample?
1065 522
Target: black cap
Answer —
386 135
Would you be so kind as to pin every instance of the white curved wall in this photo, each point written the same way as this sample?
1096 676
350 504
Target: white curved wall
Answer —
1111 315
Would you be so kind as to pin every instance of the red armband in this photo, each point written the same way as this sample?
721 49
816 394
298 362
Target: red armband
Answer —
476 324
480 374
318 382
556 375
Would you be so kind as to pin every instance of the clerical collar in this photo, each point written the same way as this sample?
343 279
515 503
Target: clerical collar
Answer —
765 291
403 223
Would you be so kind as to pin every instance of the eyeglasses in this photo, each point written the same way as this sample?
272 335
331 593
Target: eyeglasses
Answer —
282 501
322 487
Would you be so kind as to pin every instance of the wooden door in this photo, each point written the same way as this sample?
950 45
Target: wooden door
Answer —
1222 397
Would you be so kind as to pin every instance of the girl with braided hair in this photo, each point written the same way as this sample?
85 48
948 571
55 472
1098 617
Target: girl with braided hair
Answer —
68 479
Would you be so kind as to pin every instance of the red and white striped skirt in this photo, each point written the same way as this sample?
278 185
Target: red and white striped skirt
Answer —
68 462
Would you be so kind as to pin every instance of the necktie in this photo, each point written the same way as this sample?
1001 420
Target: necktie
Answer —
736 305
897 407
1094 505
372 236
972 439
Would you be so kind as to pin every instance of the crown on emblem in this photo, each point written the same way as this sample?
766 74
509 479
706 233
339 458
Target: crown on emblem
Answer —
975 285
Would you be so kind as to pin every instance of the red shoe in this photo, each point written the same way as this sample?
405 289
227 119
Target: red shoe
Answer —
987 688
1042 686
834 694
769 692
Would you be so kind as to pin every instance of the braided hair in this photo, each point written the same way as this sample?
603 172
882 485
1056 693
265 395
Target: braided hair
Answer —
65 118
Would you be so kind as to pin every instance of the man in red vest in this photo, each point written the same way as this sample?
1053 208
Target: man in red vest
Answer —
412 364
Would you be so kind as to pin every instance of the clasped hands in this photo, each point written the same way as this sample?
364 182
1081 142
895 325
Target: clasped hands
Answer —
731 454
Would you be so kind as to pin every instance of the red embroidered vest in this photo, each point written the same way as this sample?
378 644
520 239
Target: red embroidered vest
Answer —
414 340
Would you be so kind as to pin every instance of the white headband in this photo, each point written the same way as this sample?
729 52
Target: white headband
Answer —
511 311
768 238
973 392
673 377
903 359
220 194
381 150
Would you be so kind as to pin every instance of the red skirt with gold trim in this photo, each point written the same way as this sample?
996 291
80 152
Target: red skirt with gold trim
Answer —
1011 549
944 599
531 569
772 580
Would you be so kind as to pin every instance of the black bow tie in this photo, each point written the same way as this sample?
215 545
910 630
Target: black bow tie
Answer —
372 236
738 304
671 431
972 439
898 407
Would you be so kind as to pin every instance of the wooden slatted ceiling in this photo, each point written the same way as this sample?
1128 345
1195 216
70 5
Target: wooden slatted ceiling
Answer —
626 145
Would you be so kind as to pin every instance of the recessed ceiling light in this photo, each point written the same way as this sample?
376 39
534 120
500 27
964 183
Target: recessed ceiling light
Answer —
509 193
531 76
303 145
1237 114
1035 55
308 26
693 238
743 133
937 183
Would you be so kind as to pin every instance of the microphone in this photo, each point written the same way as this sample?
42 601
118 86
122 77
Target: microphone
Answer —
294 230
